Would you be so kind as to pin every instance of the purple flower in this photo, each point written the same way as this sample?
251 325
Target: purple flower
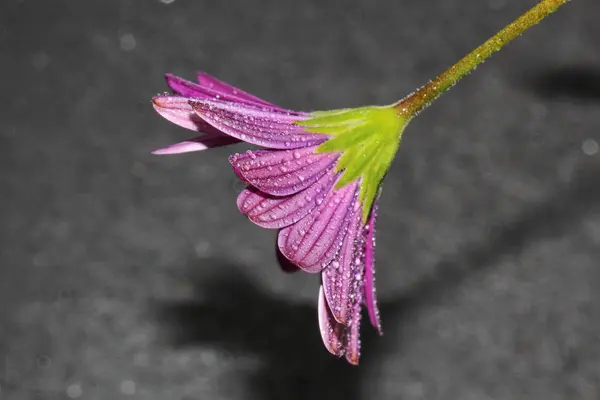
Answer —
316 181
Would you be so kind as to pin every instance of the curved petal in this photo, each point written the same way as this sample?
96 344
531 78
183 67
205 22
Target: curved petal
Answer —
177 110
370 297
343 278
352 348
197 144
270 211
285 264
332 332
312 242
189 89
282 173
258 125
217 85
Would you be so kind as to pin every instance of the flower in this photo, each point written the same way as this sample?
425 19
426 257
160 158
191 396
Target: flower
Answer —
319 177
317 181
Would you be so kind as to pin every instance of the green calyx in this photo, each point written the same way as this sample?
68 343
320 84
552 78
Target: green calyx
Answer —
367 138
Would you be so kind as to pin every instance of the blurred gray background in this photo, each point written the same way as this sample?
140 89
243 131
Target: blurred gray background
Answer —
130 276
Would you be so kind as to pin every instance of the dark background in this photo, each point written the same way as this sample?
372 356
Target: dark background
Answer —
130 276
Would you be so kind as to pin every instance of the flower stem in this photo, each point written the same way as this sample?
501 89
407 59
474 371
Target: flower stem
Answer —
423 97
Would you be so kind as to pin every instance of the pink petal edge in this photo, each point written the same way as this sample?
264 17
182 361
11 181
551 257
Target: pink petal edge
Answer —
196 144
370 291
332 332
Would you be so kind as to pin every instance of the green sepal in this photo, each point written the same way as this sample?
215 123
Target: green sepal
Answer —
367 138
330 118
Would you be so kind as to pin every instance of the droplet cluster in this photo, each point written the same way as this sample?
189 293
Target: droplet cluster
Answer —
343 286
255 124
313 242
283 172
278 212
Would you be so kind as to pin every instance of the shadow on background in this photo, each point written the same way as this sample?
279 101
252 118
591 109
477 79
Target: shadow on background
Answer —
576 82
242 318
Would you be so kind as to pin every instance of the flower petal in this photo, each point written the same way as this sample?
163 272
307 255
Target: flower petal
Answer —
353 332
177 110
258 125
282 173
342 279
332 332
189 89
210 82
197 144
370 297
313 241
269 211
285 264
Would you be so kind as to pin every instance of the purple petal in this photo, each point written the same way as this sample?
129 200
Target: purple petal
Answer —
285 264
210 82
332 332
258 125
270 211
353 333
370 298
197 144
189 89
342 279
313 241
282 173
177 110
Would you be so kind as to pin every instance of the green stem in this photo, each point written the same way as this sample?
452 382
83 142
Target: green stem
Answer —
417 101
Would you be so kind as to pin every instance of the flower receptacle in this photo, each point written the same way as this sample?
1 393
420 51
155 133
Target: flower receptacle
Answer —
367 139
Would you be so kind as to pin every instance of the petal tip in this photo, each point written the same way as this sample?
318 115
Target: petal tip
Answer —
156 101
352 360
179 148
331 332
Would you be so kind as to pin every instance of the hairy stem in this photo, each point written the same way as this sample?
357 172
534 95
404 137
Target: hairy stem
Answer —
417 101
